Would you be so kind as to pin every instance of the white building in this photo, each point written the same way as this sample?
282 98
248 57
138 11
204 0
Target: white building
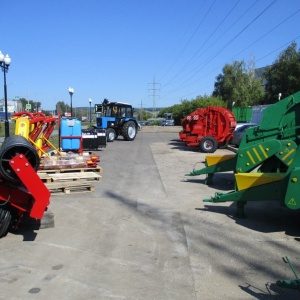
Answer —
12 106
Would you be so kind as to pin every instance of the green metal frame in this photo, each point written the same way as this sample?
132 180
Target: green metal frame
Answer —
288 283
271 147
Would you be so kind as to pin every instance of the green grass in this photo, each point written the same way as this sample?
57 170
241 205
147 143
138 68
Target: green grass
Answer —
11 128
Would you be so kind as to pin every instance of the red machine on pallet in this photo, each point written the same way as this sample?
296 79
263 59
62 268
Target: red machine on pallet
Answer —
22 192
35 127
208 128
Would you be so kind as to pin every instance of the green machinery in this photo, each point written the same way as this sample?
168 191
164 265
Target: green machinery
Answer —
266 165
289 283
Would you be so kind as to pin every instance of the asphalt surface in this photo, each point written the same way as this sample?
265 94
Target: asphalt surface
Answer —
146 234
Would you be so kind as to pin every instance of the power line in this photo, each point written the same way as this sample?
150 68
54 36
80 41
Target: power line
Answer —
206 14
183 49
241 16
264 35
288 43
203 44
279 48
272 29
226 45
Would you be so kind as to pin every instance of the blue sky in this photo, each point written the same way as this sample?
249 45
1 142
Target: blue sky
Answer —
117 49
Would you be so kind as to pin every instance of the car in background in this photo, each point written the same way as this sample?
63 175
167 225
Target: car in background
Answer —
167 123
239 132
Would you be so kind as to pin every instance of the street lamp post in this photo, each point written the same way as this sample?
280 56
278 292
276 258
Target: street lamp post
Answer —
4 63
71 91
90 101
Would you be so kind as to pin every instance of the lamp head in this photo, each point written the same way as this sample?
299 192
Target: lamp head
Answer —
7 60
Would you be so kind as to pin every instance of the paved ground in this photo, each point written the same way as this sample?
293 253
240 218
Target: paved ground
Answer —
146 234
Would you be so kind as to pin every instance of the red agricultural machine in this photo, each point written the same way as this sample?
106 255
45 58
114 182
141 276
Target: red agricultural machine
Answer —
21 190
36 128
208 128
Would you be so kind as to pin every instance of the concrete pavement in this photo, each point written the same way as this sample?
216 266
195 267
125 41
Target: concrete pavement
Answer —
146 234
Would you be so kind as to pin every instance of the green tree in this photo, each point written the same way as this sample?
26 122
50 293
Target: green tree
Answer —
143 115
35 105
183 109
62 107
238 86
283 76
23 101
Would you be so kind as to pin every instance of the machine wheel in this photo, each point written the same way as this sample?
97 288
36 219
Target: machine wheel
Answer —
5 219
11 147
129 131
110 135
208 144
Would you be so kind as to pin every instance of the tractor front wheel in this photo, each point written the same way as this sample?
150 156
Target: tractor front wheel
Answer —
129 131
208 144
5 219
110 135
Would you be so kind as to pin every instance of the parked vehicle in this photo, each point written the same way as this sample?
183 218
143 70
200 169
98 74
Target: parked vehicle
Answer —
117 119
239 132
167 123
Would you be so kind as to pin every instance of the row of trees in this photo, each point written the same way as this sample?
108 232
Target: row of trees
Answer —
239 85
35 105
60 108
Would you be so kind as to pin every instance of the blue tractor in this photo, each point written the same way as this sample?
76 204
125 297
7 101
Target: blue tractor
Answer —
117 119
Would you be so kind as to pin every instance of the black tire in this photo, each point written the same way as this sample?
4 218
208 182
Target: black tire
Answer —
208 144
110 135
5 221
11 147
129 131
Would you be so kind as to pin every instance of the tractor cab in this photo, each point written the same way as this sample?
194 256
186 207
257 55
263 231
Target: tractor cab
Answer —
118 110
117 119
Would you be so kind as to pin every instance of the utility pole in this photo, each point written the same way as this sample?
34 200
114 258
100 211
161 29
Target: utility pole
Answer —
154 95
141 114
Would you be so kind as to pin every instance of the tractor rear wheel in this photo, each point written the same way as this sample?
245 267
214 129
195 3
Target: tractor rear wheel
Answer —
129 131
208 144
5 219
12 146
110 135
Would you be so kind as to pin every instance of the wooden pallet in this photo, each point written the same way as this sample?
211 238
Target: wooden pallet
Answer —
70 170
69 176
58 188
70 180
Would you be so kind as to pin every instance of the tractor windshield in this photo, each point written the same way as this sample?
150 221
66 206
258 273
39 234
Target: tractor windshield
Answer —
107 111
119 111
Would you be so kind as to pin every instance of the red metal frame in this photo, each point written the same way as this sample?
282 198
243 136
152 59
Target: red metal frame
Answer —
35 198
42 124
